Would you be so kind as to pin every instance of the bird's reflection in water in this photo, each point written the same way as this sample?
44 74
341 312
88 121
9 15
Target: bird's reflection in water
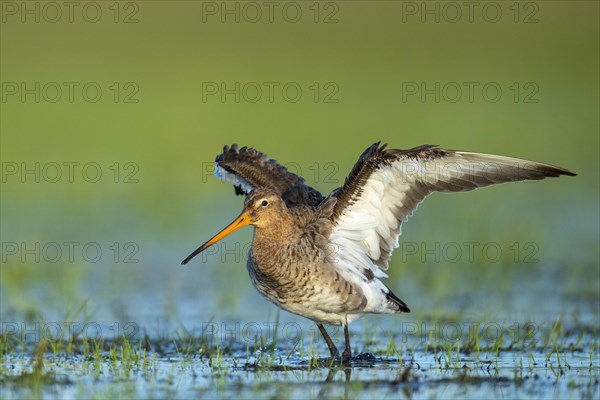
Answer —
332 372
404 381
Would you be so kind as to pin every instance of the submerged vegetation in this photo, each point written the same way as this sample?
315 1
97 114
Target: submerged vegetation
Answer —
555 358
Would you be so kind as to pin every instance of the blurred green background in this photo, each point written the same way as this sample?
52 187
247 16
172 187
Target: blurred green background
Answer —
162 116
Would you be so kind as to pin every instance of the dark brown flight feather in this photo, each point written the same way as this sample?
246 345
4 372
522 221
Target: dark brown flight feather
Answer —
259 170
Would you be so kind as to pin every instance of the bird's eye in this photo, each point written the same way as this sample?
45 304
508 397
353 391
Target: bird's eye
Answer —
264 203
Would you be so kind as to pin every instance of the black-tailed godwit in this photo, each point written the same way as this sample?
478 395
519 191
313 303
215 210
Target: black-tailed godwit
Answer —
323 258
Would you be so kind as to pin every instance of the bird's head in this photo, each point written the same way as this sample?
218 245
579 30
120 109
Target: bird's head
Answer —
262 208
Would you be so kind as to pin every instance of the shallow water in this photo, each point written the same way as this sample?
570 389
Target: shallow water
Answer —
204 331
418 374
417 355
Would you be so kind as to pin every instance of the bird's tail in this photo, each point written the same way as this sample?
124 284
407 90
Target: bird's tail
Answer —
401 306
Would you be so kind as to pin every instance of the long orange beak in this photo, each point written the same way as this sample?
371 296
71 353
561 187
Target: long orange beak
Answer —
239 222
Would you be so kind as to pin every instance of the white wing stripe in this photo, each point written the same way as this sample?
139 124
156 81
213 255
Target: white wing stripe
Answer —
235 179
381 198
369 227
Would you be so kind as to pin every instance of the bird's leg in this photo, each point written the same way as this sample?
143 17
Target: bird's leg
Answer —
347 351
334 351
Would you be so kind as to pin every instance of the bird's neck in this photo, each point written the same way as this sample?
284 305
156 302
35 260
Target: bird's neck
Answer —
270 242
280 231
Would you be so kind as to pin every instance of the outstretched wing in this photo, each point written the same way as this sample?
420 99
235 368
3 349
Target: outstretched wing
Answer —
247 168
386 186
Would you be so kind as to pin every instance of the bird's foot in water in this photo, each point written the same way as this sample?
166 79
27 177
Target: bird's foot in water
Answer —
368 357
347 360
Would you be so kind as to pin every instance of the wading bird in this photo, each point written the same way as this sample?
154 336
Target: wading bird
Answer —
323 257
